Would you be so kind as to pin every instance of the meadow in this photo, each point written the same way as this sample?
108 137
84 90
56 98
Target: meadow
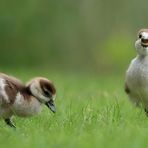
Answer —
84 47
92 111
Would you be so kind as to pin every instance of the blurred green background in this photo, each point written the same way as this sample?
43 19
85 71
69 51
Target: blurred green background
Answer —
71 35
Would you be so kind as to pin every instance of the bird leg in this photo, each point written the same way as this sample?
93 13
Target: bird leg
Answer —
9 123
146 111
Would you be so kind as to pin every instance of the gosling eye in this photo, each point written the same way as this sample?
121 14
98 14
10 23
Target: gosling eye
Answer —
140 36
47 93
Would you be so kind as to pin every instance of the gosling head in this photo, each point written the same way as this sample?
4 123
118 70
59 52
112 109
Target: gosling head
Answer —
142 42
44 90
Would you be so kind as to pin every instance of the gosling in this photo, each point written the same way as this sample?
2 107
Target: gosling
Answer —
136 81
24 100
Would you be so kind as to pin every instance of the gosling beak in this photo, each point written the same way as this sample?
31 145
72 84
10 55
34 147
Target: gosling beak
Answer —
50 104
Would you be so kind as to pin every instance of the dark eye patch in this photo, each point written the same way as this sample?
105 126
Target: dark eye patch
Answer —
47 93
47 88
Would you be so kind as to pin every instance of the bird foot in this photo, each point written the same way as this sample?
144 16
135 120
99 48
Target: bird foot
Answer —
9 123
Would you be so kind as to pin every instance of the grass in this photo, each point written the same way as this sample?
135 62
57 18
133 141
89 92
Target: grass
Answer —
92 111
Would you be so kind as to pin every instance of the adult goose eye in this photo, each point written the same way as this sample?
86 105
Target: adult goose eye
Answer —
140 36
